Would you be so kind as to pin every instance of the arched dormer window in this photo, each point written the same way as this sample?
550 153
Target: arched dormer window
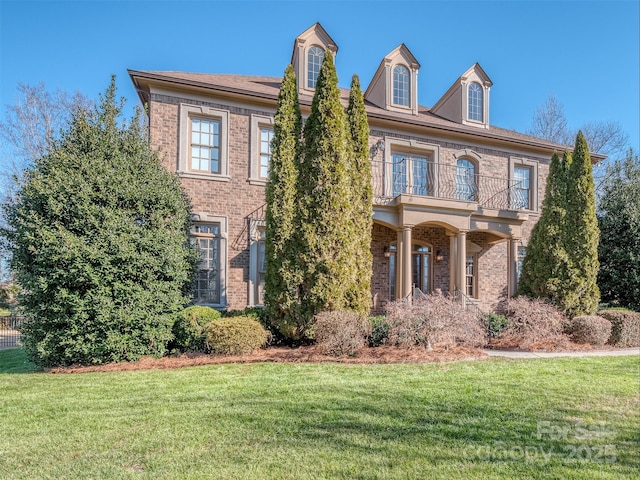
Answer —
314 62
401 86
466 184
475 102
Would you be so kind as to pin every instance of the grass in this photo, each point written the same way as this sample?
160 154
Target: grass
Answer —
543 418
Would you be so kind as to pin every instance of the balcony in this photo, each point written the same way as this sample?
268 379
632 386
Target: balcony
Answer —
420 177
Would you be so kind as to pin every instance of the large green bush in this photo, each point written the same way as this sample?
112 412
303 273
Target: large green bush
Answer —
235 335
625 327
98 237
188 330
619 221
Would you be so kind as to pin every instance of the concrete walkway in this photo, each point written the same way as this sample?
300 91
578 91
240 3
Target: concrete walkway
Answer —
589 353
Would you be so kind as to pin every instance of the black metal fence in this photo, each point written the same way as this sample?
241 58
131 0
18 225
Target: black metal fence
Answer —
10 331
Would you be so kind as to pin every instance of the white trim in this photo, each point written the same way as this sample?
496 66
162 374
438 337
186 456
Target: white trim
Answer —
533 179
186 113
257 122
204 217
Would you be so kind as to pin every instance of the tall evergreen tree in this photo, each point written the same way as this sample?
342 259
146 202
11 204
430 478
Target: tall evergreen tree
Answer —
545 268
282 275
326 220
98 236
581 233
619 222
361 201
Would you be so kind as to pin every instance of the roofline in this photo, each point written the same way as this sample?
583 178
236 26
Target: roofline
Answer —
461 130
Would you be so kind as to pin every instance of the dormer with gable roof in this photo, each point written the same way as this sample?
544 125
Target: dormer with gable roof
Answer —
394 86
467 100
308 53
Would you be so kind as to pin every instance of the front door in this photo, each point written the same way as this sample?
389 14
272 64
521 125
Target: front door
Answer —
421 268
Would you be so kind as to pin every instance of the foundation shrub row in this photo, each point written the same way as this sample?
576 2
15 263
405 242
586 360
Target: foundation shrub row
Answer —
426 321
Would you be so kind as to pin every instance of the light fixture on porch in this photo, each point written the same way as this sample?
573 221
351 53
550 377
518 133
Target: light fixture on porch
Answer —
439 256
386 252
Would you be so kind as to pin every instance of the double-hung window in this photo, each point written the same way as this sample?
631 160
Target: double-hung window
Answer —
207 239
203 148
205 145
522 187
266 135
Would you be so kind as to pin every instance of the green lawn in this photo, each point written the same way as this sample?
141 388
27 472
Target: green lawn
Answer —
542 418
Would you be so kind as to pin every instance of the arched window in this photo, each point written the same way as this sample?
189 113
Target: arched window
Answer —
314 62
466 185
475 102
401 86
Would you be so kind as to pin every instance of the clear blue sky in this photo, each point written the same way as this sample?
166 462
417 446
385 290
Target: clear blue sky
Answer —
586 53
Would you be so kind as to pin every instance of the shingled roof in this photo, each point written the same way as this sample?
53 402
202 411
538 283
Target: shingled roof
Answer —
267 89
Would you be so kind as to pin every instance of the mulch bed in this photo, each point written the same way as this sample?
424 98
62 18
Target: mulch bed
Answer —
308 354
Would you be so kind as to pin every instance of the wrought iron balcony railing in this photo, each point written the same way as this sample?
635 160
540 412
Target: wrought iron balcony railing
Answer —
417 176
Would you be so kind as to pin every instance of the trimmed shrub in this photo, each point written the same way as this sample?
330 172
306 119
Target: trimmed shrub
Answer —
495 324
379 330
533 321
590 329
433 319
234 336
341 332
260 314
188 330
625 327
257 313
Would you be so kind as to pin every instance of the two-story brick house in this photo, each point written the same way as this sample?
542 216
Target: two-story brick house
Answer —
455 198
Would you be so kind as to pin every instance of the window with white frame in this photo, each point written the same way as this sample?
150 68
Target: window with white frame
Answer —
522 187
203 142
475 102
266 136
205 145
315 56
466 185
207 237
410 167
261 137
523 176
412 174
401 86
470 286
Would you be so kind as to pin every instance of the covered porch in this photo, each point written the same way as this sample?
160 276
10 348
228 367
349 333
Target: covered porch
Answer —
459 251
